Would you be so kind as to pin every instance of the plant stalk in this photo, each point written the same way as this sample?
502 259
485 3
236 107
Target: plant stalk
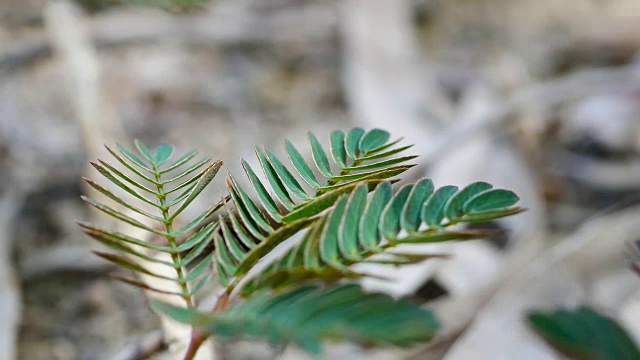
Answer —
168 226
344 172
197 339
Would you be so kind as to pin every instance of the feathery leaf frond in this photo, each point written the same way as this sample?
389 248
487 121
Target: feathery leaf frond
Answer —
287 207
308 314
342 204
346 225
360 227
153 183
352 155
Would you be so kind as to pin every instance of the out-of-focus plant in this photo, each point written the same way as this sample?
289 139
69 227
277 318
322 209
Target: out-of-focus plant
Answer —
583 334
343 206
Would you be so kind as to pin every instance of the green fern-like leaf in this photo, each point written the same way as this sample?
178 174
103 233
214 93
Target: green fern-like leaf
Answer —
346 225
361 157
307 314
166 190
583 334
344 207
355 155
361 228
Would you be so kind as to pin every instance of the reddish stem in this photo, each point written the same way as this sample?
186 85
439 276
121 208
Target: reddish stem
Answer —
221 303
196 340
196 337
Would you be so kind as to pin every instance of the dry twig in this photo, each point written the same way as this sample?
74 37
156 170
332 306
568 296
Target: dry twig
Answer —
62 258
541 96
611 175
385 79
218 28
561 275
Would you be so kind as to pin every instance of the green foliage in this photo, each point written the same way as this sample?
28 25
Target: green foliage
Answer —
361 229
356 155
307 314
345 209
583 334
354 165
168 190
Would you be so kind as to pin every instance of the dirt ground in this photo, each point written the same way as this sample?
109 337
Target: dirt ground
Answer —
237 73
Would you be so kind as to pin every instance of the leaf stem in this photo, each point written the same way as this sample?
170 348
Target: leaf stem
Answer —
197 339
168 226
344 172
222 302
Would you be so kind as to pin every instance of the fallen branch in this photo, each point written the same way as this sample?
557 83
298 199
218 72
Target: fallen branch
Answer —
69 37
541 96
61 259
220 28
603 174
562 275
384 77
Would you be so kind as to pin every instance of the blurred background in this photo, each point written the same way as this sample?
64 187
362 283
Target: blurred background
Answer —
542 97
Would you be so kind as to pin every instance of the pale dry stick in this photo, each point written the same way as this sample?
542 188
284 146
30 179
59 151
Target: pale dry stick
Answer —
68 32
387 85
561 275
385 81
119 28
72 44
61 258
541 96
376 97
10 298
177 336
475 270
99 124
604 174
